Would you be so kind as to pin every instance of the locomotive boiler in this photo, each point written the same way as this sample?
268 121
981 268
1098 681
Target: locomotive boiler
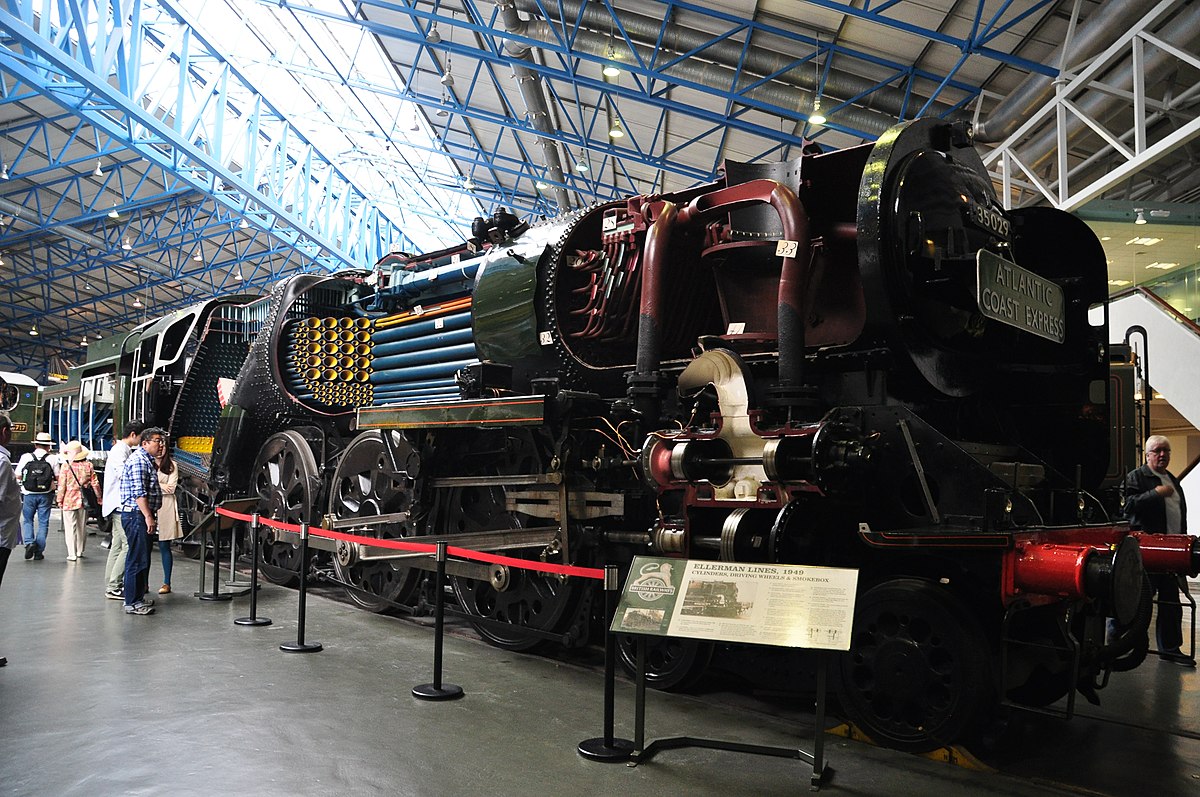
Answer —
857 358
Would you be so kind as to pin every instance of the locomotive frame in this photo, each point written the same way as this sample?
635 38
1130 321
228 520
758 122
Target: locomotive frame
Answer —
855 359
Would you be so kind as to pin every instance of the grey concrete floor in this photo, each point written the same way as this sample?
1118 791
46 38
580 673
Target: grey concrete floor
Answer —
94 702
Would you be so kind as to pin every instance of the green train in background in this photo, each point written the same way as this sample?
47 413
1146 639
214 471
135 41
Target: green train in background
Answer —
20 397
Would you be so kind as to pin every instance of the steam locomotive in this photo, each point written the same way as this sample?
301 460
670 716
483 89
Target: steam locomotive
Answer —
856 358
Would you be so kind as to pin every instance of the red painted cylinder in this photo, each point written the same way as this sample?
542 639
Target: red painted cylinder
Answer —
1170 553
1048 569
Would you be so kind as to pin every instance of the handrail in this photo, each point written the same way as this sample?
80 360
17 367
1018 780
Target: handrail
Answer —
1158 300
1140 290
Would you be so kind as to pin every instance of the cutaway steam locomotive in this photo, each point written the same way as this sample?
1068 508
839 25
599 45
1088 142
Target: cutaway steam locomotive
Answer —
857 358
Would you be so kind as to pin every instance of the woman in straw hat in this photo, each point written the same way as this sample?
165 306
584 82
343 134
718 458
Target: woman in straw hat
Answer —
76 474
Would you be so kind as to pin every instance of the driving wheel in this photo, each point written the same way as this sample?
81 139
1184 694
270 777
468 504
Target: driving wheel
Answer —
513 600
364 486
288 484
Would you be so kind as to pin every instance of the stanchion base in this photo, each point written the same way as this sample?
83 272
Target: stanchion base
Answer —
253 621
218 596
597 750
431 692
300 647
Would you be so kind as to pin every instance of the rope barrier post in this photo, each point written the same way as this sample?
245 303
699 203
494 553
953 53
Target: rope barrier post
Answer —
253 619
606 748
300 646
216 594
233 574
437 690
203 557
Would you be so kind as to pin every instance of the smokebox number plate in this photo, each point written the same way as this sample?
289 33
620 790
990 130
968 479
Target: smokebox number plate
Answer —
1018 297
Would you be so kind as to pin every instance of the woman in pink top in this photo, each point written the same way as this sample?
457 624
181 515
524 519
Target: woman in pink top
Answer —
74 476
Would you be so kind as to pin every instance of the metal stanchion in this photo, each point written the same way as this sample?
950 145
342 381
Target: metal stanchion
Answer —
253 619
300 646
437 690
216 594
606 748
233 574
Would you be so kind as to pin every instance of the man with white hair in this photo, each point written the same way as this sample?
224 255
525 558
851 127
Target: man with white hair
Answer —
10 501
1155 504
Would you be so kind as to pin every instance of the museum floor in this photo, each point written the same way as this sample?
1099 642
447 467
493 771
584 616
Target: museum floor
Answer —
95 702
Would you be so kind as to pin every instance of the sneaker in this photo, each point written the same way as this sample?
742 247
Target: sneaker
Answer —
38 556
114 594
148 601
30 550
139 608
70 558
165 589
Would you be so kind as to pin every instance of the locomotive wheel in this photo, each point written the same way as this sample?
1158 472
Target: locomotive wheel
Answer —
364 486
287 483
918 671
673 664
520 598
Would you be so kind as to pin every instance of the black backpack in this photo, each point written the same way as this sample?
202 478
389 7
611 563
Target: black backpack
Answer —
38 476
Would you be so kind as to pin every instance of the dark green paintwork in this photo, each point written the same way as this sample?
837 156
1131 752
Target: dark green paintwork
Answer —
505 321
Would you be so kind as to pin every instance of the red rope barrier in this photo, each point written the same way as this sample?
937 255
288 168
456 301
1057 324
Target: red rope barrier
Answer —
424 547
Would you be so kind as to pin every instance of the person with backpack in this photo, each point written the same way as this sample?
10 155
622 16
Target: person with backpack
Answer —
37 472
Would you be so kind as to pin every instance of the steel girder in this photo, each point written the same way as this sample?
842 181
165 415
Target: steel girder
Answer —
568 66
1139 123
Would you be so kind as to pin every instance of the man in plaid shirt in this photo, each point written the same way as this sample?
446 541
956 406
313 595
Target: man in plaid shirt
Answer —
141 498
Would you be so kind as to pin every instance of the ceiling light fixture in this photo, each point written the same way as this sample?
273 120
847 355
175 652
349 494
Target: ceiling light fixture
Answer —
611 69
33 330
816 117
3 171
540 185
198 255
243 225
581 167
97 172
113 214
469 184
83 342
1141 217
137 302
126 244
615 131
1 258
433 37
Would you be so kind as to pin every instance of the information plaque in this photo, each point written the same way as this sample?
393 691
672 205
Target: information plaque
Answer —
765 604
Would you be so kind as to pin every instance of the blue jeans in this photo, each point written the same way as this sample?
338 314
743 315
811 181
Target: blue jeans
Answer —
137 559
168 559
39 503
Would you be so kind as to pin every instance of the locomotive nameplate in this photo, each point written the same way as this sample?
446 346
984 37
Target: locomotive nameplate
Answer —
1019 298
